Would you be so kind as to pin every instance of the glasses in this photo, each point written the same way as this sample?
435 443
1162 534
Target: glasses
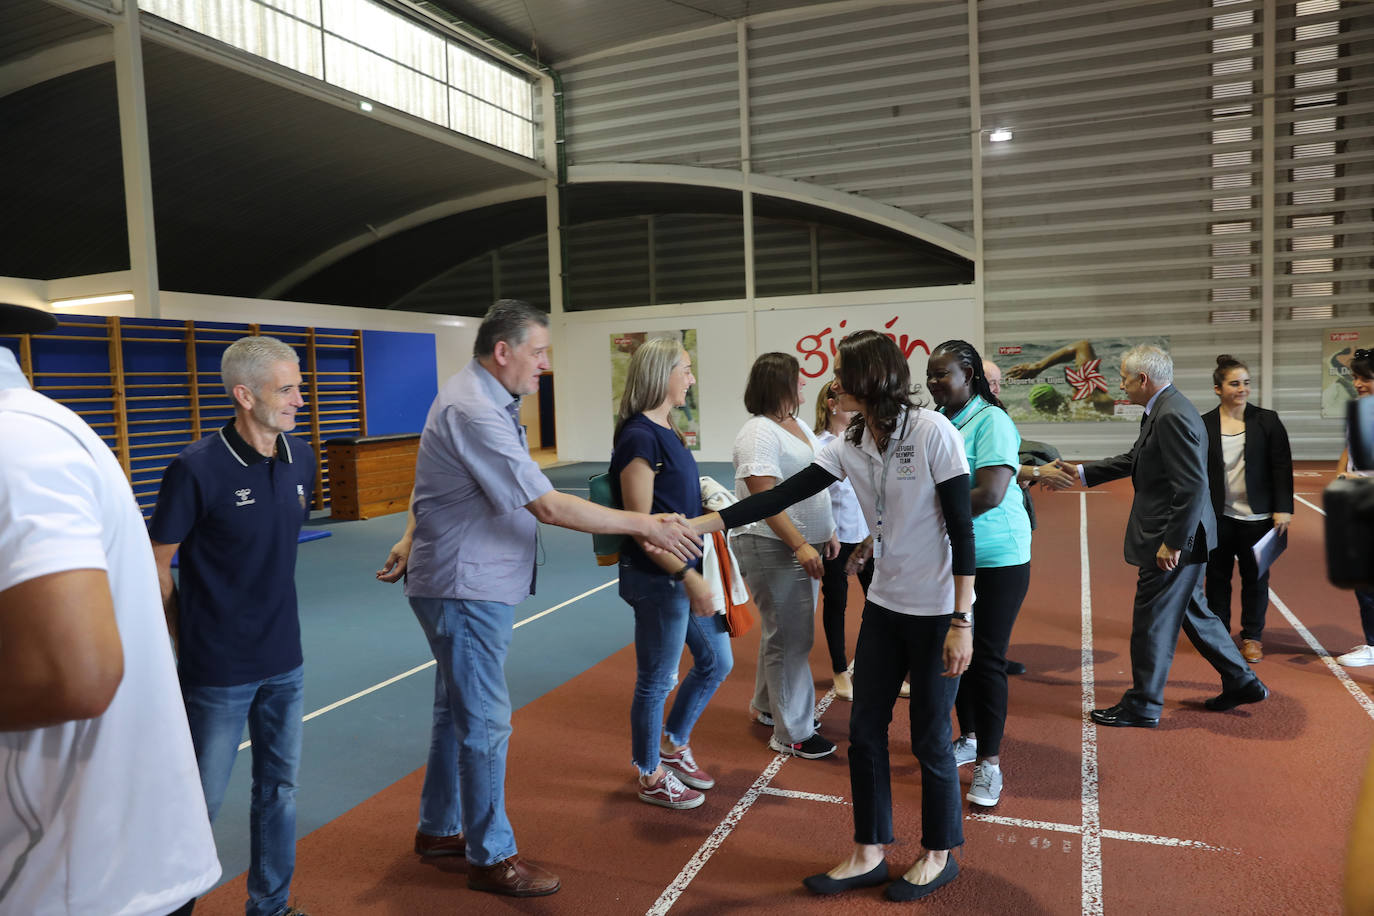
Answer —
1363 354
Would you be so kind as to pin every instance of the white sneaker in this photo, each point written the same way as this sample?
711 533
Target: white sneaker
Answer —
1358 657
987 785
965 750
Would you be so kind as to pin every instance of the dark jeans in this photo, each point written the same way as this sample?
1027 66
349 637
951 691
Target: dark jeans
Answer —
1235 539
834 597
982 699
1366 602
890 645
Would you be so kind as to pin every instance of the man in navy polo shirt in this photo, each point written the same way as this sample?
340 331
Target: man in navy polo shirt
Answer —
234 503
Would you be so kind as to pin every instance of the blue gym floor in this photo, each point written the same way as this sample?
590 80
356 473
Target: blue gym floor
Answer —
358 632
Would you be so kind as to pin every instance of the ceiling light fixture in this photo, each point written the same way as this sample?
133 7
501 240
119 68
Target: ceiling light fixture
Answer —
365 106
91 300
1000 135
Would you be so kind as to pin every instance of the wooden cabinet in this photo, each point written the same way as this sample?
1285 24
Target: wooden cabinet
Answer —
371 475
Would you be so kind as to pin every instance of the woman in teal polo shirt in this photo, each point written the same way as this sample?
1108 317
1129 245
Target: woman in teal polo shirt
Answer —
1001 540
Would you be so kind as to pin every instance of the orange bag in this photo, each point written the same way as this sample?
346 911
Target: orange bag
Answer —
739 618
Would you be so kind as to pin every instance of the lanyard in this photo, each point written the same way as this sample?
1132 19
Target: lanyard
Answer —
879 487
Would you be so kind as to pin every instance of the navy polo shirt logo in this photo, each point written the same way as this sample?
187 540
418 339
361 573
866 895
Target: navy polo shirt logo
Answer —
244 496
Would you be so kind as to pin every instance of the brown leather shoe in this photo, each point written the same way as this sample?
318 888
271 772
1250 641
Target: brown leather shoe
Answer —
514 877
434 846
1251 649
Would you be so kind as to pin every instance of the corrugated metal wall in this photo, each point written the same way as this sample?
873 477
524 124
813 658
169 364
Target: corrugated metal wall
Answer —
874 102
1130 202
677 103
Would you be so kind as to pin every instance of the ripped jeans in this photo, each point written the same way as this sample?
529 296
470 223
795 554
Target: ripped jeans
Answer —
663 624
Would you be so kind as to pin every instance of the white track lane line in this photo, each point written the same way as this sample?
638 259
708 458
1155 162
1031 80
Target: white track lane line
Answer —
1309 505
806 796
1129 837
698 861
1360 696
1092 817
430 664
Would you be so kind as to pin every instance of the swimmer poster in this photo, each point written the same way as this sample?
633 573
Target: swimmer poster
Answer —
623 345
1338 347
1073 381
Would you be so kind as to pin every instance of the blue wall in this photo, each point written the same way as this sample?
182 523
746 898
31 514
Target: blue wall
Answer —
402 377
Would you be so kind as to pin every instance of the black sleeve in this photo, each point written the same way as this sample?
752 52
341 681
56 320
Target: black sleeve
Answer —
807 482
958 510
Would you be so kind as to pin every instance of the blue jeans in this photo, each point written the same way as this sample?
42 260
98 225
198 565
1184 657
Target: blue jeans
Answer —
465 779
663 622
272 709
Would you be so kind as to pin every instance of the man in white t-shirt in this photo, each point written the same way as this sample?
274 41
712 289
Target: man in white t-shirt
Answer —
102 811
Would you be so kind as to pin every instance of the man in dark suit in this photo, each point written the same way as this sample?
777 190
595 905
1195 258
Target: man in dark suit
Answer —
1170 532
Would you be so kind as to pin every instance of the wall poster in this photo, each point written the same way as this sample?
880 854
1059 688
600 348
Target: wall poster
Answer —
1068 381
623 345
1338 348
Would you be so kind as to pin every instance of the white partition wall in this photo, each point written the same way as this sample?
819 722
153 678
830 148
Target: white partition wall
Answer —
806 326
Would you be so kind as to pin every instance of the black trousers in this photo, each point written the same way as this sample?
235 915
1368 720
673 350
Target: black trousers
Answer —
1235 540
890 645
834 597
1164 602
185 910
982 699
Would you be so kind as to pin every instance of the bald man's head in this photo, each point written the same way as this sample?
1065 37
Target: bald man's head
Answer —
994 375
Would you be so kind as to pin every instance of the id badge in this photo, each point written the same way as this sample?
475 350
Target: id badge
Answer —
877 548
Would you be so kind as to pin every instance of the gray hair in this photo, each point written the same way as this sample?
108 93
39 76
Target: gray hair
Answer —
248 360
508 320
1154 361
646 382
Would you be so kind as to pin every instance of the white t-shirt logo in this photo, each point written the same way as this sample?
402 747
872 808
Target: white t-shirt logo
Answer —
244 496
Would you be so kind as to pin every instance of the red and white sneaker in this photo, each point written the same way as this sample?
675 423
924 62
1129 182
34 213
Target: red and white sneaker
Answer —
685 766
670 793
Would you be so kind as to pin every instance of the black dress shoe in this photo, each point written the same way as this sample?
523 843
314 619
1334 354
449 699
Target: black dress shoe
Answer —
825 885
1119 716
1252 691
1015 667
903 891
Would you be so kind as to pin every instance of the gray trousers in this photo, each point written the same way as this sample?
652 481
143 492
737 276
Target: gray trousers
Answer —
1164 602
786 599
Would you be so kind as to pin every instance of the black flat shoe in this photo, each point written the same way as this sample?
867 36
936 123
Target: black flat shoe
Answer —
1252 692
903 891
825 885
1119 716
1015 668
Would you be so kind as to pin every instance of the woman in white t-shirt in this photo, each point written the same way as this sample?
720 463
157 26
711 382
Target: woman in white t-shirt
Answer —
851 529
781 560
911 478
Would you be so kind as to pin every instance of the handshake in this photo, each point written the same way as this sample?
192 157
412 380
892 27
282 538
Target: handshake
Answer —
1057 475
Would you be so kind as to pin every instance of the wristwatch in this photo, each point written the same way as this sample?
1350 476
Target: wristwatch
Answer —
963 617
681 573
1035 470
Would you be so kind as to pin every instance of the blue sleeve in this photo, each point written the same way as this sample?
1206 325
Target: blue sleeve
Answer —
180 504
996 442
635 442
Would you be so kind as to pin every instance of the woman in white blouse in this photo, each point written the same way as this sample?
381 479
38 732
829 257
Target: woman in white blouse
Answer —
781 559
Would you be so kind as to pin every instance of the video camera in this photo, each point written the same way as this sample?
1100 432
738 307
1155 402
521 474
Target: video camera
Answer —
1349 505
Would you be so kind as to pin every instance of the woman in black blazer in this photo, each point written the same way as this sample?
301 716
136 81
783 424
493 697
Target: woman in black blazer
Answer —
1250 473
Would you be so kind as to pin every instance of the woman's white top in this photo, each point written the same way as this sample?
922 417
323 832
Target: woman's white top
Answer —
844 505
915 574
1233 461
764 449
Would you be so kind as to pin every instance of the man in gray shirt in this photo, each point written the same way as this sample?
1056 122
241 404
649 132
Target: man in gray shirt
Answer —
468 555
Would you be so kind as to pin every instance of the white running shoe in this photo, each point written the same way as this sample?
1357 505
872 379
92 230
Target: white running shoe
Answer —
987 785
1358 657
965 750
